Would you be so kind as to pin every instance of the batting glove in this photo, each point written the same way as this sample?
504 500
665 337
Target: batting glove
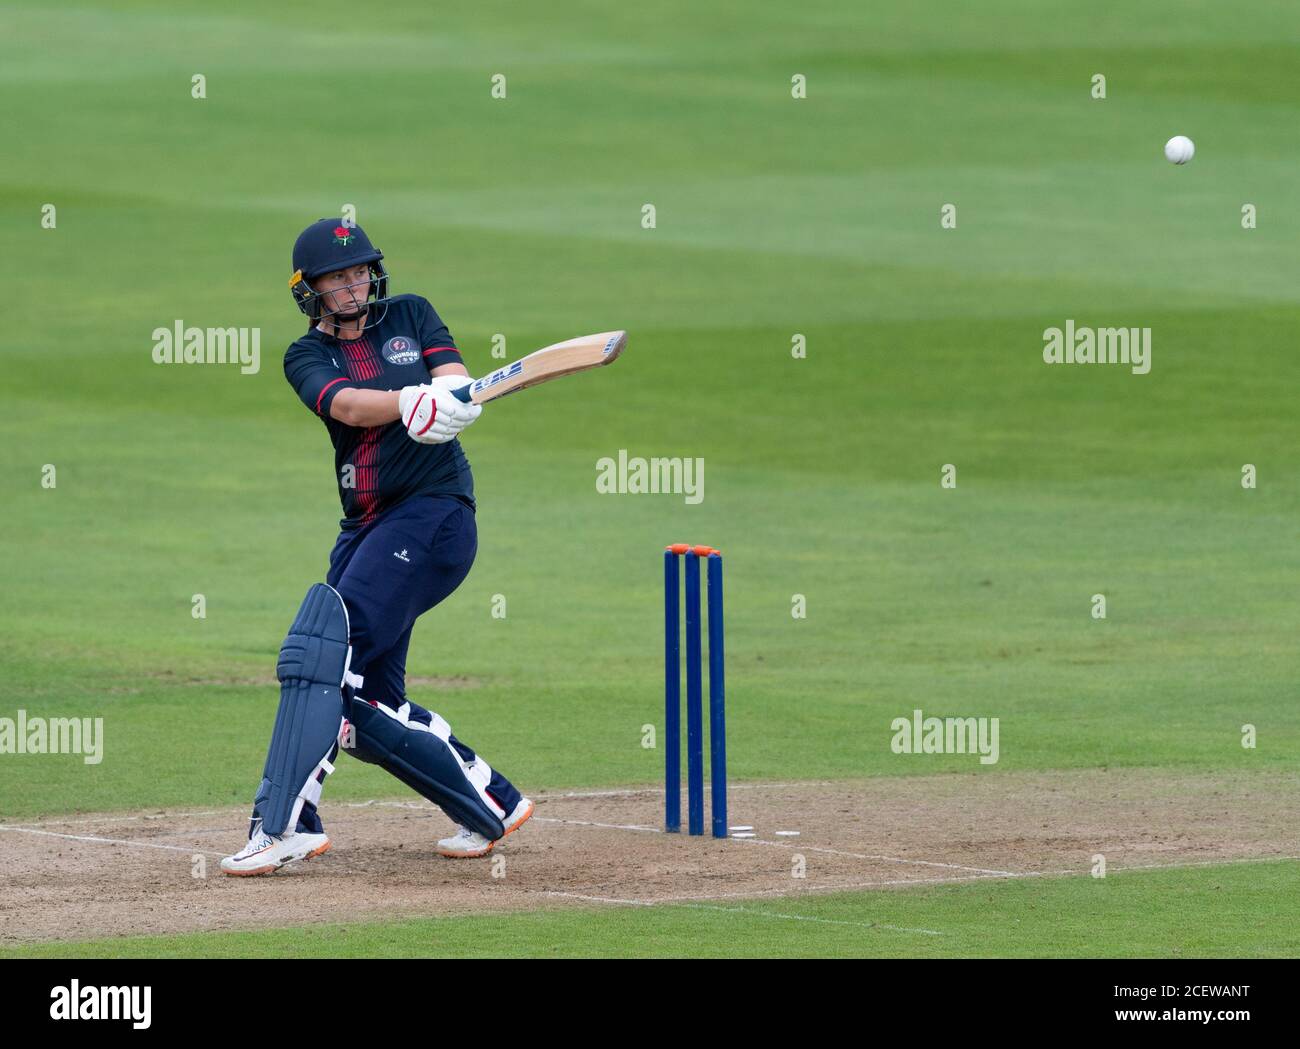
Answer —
432 415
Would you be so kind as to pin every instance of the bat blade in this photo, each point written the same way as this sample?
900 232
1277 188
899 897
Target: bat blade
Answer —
550 362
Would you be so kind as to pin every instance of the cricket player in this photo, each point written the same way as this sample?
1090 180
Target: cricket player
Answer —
378 370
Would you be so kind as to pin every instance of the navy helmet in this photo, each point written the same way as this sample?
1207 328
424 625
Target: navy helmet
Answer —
329 245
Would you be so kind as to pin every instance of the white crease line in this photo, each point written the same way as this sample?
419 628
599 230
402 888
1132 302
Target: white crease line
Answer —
604 826
869 856
600 899
107 841
785 893
128 817
375 803
116 819
882 883
637 791
788 845
629 793
784 845
808 889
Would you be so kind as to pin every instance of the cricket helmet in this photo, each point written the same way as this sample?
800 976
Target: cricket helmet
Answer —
329 245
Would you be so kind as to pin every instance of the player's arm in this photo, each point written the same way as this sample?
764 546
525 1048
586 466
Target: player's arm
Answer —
353 407
429 413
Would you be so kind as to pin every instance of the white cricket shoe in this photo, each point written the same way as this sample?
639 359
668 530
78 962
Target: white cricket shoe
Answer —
466 844
265 853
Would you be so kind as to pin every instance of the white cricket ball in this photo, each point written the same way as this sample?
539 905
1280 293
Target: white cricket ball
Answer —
1179 149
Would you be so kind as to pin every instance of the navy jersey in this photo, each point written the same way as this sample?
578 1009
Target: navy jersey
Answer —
386 466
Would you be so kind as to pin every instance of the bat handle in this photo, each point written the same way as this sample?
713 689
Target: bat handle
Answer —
463 393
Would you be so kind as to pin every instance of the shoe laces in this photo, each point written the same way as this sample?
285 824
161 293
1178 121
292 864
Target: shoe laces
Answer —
259 841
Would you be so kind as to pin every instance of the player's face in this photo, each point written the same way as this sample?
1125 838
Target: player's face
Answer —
345 291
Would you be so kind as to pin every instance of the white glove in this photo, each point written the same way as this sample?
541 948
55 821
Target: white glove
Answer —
432 415
447 384
452 382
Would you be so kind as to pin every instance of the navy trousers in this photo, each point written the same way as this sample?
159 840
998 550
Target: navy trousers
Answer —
389 573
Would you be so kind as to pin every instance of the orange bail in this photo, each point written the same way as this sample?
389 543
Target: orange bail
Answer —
687 548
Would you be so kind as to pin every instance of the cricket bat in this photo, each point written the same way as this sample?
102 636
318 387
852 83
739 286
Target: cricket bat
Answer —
550 362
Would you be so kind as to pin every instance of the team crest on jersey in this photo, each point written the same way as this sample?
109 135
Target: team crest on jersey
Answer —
400 350
342 235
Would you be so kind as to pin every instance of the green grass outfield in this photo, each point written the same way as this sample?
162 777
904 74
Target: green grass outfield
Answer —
1227 911
775 216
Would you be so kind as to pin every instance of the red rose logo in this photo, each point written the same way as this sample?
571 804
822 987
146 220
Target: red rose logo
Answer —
342 234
